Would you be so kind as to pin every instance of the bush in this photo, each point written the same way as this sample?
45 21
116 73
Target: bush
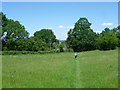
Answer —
61 48
69 50
4 48
26 52
108 42
17 52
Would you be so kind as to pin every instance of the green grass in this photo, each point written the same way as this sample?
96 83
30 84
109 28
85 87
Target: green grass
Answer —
92 69
0 71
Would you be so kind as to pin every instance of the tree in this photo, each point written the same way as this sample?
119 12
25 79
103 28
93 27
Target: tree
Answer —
12 31
108 39
37 44
82 37
47 36
118 35
3 23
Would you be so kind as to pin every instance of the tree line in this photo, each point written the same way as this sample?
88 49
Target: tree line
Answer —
15 37
80 38
83 38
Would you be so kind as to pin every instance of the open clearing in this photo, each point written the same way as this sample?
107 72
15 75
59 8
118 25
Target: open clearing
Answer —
92 69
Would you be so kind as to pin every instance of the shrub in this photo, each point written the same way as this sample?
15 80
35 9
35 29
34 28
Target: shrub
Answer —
61 48
26 52
108 42
69 50
16 52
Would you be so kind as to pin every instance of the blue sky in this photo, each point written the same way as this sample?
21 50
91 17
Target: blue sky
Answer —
61 16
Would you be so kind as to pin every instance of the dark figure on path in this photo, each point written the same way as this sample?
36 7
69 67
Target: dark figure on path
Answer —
75 55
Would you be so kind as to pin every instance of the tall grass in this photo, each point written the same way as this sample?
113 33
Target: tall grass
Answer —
0 71
93 69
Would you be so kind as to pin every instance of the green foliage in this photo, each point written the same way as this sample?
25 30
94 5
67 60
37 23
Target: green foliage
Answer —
37 44
12 31
3 23
47 38
26 52
107 40
61 48
45 34
16 52
69 50
15 37
118 35
82 38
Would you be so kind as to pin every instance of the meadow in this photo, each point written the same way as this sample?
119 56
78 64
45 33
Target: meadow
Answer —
91 69
0 71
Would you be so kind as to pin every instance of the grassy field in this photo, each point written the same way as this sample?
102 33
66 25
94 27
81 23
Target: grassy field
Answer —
92 69
0 71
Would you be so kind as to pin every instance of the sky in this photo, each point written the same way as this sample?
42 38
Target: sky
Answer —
61 16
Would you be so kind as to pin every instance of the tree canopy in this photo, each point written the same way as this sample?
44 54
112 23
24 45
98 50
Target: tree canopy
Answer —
47 37
45 34
12 31
82 37
108 39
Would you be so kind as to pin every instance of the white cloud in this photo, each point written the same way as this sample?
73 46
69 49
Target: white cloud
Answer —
107 24
61 26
